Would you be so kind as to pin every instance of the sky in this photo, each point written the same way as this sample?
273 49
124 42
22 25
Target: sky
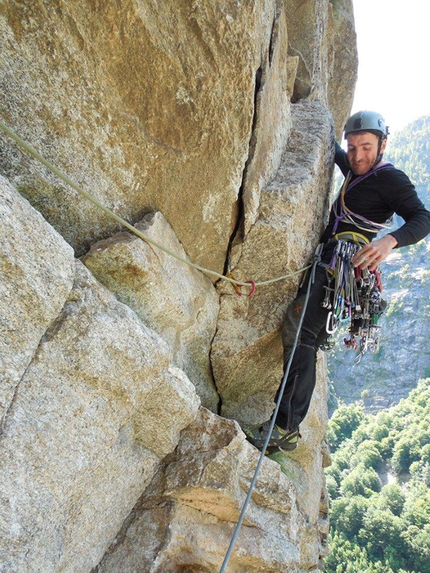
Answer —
393 39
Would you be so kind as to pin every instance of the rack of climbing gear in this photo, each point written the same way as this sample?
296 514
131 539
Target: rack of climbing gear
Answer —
353 295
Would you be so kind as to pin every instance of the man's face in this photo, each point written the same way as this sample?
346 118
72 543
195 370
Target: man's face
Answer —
363 150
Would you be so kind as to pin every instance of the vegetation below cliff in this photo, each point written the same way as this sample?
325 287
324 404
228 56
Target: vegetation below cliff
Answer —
379 487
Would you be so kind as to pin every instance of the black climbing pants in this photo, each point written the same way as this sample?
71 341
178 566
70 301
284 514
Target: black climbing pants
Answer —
302 376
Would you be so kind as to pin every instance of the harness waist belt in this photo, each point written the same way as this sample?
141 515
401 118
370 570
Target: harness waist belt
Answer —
357 238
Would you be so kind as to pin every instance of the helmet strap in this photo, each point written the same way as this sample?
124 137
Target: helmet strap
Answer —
379 156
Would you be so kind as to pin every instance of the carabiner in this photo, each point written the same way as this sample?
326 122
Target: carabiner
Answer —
330 326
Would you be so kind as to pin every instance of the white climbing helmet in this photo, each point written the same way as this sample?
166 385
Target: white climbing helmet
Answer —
367 121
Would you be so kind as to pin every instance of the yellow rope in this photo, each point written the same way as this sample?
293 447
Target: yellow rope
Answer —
27 147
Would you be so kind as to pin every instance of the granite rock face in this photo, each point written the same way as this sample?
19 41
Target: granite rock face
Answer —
173 299
37 270
125 373
95 411
200 495
166 90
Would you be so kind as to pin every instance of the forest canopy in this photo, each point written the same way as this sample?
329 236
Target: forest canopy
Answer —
379 487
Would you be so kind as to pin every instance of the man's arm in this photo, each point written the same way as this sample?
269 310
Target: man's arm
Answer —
341 159
400 194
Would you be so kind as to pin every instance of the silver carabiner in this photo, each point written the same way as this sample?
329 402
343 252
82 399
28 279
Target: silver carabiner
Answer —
330 326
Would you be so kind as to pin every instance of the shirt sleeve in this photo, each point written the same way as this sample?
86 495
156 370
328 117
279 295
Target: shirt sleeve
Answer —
341 159
401 196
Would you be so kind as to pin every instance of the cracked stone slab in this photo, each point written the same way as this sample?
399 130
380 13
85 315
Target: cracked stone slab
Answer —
247 349
185 519
36 276
99 406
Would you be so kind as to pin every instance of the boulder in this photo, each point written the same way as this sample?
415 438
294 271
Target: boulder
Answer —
186 518
170 297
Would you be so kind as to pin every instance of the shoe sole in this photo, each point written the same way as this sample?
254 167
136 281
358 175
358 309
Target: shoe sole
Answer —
255 443
283 450
285 444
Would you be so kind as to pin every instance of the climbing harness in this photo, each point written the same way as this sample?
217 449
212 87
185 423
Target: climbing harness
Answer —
252 285
353 295
313 266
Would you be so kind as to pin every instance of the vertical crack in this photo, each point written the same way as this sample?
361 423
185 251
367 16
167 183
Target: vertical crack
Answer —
237 235
274 33
238 232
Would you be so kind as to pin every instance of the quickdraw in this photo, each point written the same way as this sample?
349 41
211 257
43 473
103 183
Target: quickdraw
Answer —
354 297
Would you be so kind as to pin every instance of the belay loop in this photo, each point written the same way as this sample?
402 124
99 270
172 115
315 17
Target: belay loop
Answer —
354 295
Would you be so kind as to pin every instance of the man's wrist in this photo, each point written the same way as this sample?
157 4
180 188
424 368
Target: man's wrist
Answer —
393 240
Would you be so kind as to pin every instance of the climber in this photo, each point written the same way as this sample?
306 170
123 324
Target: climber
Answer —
372 192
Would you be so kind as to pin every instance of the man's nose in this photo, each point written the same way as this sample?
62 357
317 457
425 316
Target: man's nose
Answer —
357 155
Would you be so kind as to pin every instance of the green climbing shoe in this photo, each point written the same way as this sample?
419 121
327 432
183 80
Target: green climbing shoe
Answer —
280 439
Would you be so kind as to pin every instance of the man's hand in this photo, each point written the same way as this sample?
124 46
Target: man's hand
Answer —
374 253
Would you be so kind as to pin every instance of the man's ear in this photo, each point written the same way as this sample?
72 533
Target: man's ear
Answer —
383 145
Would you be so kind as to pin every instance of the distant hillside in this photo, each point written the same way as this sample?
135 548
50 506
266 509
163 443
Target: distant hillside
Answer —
409 150
382 379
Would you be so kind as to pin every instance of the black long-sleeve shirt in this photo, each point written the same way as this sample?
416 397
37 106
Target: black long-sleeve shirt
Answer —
377 198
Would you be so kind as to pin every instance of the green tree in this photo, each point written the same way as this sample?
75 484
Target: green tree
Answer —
418 547
392 498
345 556
360 481
381 535
347 515
367 454
378 529
417 508
407 450
344 421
